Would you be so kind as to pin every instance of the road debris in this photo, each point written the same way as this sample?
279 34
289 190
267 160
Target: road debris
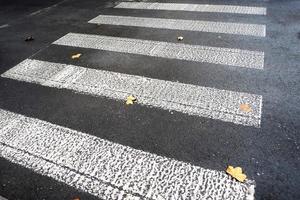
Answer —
180 38
130 100
237 173
28 39
246 108
76 56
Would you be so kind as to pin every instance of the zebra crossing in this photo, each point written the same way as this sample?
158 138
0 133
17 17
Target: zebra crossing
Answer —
191 99
113 171
187 25
223 56
195 7
106 169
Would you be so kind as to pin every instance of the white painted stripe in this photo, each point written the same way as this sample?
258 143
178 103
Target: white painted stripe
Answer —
195 7
4 26
215 55
106 169
2 198
194 100
180 24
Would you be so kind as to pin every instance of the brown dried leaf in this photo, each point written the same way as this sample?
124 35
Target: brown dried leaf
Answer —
236 173
76 56
246 108
130 100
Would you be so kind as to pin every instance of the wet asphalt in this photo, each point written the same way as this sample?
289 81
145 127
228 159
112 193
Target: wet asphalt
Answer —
270 155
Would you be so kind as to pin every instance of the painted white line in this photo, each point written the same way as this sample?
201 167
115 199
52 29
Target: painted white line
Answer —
4 26
191 99
188 25
215 55
2 198
106 169
195 7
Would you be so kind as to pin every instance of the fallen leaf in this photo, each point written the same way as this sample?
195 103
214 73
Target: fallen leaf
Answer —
246 108
76 56
130 100
180 38
236 173
28 39
76 199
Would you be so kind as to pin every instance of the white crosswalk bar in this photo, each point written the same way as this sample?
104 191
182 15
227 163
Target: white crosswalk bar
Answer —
106 169
215 55
2 198
180 24
194 100
195 7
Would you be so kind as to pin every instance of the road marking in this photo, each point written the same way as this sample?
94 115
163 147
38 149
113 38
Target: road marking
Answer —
215 55
195 7
179 24
106 169
4 26
2 198
47 8
191 99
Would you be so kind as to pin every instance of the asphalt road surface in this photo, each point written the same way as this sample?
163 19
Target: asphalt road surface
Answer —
226 93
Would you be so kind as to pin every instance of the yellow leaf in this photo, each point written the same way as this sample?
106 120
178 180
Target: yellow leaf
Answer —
246 108
76 56
130 100
236 173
